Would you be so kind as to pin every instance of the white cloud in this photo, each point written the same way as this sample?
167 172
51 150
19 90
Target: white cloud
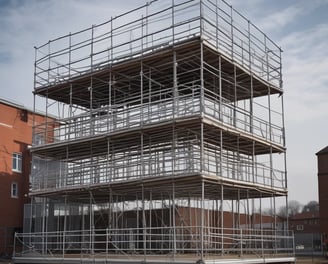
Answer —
281 18
24 25
305 66
306 72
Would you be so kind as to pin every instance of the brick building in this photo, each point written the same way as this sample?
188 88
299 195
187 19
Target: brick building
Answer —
322 157
306 228
15 138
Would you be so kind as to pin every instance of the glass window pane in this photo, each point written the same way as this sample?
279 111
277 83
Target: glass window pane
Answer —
14 190
17 162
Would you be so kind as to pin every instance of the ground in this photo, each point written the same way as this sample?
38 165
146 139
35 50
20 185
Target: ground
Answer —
300 260
310 260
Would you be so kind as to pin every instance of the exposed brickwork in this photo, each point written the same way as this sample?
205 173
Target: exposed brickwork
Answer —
15 137
322 156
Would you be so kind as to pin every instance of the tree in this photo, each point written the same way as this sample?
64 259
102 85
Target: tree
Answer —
282 211
268 211
294 207
312 206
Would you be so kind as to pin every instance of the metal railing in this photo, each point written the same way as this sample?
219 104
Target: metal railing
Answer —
225 29
121 117
160 162
155 241
152 27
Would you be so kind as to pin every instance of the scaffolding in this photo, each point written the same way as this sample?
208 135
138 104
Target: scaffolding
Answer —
167 144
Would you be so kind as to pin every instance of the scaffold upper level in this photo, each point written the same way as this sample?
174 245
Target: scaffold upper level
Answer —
149 29
191 64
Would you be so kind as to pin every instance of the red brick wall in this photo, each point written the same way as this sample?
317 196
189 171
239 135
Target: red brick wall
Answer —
323 191
306 225
15 136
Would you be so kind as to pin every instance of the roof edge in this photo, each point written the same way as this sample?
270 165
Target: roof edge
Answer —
322 151
17 105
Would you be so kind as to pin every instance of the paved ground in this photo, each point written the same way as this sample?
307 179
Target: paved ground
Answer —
299 260
310 260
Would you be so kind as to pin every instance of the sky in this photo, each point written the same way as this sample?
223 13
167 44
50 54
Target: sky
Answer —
299 27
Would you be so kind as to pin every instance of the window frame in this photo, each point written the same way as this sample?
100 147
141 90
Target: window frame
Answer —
17 160
12 189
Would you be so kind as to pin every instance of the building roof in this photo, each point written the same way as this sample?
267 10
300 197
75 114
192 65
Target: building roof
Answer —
13 103
323 151
17 105
305 215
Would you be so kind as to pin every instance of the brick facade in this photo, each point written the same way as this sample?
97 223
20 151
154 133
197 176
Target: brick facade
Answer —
322 156
15 138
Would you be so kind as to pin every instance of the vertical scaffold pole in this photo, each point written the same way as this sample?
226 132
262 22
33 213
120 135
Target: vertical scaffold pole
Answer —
34 97
217 24
220 101
173 220
91 220
202 109
261 225
202 221
142 75
201 16
222 219
65 224
231 32
110 121
144 231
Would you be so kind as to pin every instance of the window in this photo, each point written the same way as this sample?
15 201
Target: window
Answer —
17 162
38 139
299 227
14 190
24 115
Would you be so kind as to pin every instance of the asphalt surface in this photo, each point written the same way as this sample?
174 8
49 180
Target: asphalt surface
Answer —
300 260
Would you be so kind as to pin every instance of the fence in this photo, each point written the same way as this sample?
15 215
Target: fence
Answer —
159 240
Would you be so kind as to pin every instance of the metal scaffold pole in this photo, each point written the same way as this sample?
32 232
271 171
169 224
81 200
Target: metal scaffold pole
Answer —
165 143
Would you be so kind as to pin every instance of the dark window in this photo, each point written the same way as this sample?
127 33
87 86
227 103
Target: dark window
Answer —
14 190
24 115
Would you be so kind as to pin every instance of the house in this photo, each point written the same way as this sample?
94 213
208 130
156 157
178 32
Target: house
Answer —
306 227
322 159
16 125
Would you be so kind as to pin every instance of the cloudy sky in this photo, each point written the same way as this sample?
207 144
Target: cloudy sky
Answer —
300 27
